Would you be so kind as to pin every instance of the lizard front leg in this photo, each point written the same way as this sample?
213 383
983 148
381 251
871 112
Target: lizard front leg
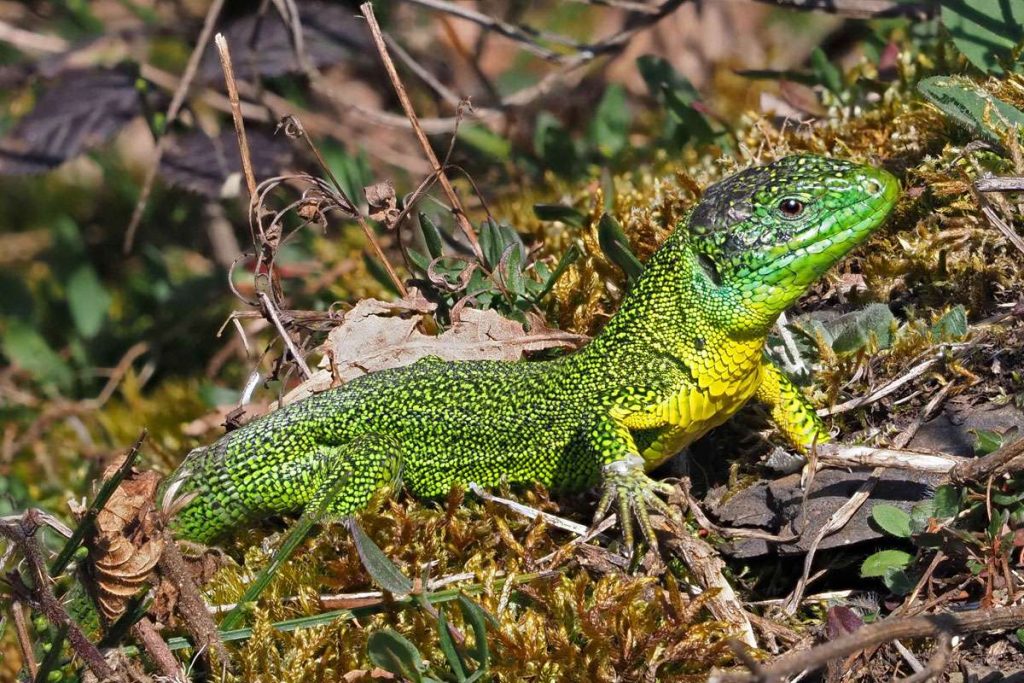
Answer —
792 413
623 469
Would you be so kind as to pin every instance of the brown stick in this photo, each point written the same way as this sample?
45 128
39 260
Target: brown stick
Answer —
861 9
157 649
1008 458
403 97
1000 184
932 625
191 605
24 640
21 533
236 112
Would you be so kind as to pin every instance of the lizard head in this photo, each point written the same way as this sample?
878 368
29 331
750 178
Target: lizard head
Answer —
765 234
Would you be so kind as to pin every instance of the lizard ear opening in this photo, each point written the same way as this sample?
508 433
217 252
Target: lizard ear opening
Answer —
710 269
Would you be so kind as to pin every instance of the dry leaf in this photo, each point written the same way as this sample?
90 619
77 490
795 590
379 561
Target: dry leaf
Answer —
371 338
127 542
382 202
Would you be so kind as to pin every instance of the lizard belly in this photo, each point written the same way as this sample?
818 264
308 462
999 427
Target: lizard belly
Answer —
688 414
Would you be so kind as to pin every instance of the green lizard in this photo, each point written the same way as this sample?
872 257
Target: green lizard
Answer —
683 353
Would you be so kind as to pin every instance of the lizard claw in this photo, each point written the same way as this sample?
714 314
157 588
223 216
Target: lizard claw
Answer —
626 483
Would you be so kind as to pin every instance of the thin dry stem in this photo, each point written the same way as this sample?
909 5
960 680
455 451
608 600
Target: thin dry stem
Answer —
294 126
882 391
271 311
870 635
236 112
24 640
21 532
403 97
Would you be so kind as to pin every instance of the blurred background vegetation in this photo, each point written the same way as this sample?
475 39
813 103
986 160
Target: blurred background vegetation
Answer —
576 134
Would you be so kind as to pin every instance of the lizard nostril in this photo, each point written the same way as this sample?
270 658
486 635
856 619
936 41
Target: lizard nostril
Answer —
873 187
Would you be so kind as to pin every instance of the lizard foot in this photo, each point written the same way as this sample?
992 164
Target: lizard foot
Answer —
626 482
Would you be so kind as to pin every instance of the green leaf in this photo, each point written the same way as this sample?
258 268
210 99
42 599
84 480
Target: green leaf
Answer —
214 395
431 236
951 326
352 170
898 581
559 212
570 256
986 441
826 72
419 261
877 564
972 107
511 269
947 501
448 647
996 524
852 331
394 653
485 141
892 519
88 300
477 619
27 349
616 247
553 144
378 565
609 129
985 31
660 76
921 515
491 243
291 541
808 79
678 95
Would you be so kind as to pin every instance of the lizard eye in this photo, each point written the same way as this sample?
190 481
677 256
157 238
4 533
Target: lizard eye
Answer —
791 208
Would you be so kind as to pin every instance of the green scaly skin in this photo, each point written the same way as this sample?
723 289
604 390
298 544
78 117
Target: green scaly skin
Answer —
684 352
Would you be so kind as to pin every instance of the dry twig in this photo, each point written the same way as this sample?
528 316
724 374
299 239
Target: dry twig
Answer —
1006 459
28 656
236 113
21 532
926 626
862 9
191 605
848 509
403 97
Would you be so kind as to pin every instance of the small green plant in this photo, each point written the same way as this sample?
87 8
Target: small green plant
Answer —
394 653
971 106
893 566
507 279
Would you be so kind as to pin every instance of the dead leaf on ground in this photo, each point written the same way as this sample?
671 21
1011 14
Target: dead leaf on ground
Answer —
372 337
